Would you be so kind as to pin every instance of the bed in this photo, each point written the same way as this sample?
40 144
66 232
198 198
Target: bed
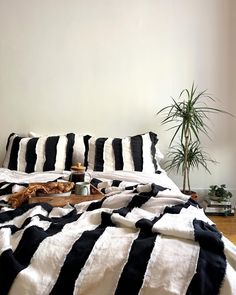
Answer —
143 237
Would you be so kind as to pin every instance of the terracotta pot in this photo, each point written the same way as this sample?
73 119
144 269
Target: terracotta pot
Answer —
193 194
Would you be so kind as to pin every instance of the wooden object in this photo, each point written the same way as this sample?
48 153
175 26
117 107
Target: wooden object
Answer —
57 201
226 225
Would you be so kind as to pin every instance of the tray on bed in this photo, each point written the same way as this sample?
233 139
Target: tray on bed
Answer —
60 201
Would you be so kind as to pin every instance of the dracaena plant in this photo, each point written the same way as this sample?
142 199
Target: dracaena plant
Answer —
188 117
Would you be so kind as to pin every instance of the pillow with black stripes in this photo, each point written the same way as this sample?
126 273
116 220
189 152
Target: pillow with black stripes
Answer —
131 153
45 153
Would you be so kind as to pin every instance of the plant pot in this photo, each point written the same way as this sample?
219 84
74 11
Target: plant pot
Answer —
192 194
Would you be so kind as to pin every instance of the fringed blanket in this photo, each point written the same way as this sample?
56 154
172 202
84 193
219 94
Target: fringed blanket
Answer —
139 239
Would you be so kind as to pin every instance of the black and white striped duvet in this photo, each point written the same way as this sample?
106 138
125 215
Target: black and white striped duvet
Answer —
141 240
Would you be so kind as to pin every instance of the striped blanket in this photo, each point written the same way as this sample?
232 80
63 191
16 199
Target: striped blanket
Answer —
139 239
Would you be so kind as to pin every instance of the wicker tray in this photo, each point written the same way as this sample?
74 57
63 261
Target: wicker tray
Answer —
57 201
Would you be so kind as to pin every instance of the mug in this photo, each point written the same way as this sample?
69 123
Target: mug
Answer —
82 188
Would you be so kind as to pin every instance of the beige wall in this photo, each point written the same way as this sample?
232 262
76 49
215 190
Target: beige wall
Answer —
106 67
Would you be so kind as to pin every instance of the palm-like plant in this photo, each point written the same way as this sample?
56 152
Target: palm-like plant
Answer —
188 115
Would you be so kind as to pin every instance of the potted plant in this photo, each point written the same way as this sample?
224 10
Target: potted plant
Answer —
188 116
219 193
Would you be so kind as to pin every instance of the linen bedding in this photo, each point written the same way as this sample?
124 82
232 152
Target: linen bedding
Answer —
143 237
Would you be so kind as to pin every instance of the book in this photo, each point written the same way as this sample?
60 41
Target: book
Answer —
219 211
218 204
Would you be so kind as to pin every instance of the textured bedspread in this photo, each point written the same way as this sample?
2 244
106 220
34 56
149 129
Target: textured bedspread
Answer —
139 239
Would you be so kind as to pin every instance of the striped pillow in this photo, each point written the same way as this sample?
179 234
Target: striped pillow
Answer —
132 153
43 153
77 148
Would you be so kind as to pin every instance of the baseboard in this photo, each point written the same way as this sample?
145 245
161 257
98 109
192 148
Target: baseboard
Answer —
203 193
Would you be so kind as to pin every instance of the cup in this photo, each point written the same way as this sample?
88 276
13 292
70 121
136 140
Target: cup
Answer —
82 188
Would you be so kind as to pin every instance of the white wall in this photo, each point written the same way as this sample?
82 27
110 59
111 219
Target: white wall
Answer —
106 67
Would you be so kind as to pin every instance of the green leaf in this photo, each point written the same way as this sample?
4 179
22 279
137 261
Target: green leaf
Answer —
188 118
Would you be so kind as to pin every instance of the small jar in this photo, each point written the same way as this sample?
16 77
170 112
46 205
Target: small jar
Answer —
77 173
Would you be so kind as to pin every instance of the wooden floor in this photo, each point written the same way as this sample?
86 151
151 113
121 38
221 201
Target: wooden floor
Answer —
226 225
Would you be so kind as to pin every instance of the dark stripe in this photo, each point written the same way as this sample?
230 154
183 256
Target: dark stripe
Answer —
177 208
122 211
137 201
103 190
211 262
50 153
69 150
106 219
99 147
68 218
9 268
14 153
131 187
8 140
95 182
2 204
75 261
116 183
154 141
4 183
11 263
96 205
146 225
30 155
136 143
9 215
131 279
158 188
15 262
6 189
117 148
86 145
155 189
14 228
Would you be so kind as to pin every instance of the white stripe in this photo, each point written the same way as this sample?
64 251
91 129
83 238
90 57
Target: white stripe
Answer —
21 162
127 154
229 283
148 165
40 152
5 241
20 177
91 153
99 275
171 267
78 150
176 225
108 156
8 152
61 153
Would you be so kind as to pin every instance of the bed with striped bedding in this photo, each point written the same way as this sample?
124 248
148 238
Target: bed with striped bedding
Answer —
143 237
